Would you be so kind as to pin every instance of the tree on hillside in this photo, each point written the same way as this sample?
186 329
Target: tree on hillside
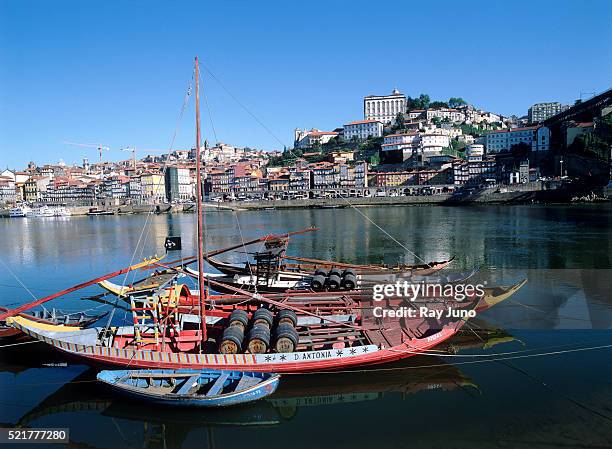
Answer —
418 103
455 102
399 122
438 104
425 100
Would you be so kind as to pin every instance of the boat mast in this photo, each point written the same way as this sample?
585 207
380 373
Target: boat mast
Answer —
202 294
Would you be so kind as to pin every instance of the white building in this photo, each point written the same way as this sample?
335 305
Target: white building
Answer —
308 139
384 107
446 114
8 194
538 138
433 143
541 111
402 141
415 114
363 129
475 116
475 152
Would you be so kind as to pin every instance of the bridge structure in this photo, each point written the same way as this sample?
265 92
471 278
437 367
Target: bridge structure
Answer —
561 162
584 111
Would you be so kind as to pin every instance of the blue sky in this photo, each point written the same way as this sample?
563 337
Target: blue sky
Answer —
116 71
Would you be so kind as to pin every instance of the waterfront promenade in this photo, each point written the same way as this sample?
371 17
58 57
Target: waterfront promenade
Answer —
369 197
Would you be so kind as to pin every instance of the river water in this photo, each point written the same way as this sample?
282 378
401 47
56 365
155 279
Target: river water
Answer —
539 395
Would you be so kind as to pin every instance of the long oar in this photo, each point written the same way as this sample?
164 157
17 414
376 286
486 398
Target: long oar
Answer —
40 301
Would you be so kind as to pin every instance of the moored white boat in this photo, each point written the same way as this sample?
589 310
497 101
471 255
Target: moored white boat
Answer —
19 211
61 212
40 212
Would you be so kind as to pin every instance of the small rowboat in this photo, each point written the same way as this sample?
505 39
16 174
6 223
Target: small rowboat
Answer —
192 388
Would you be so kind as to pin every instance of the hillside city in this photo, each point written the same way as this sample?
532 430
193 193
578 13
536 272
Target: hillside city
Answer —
401 146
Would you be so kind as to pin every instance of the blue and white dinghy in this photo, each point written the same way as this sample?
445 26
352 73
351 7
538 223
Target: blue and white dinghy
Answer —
192 388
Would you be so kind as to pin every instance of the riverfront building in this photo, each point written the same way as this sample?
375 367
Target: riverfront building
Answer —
178 184
502 141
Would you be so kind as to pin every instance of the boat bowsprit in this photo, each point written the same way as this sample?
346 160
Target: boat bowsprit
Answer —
192 388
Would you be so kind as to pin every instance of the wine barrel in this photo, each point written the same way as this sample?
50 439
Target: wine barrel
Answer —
286 338
259 339
318 283
239 318
334 281
263 317
349 281
231 342
287 316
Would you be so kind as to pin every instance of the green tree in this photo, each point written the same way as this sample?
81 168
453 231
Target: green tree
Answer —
418 103
438 104
425 100
455 102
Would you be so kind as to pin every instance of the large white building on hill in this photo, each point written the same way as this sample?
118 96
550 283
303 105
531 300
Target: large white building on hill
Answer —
384 107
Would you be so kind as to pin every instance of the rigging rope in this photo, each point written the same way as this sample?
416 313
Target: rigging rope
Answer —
21 283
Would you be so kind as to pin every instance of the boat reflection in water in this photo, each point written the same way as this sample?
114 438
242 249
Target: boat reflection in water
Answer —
98 407
104 409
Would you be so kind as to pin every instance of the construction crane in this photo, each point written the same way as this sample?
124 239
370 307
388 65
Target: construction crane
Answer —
97 146
133 151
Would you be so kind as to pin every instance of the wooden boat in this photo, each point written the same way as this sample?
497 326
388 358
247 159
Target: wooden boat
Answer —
53 316
324 342
277 283
192 388
276 245
309 265
321 280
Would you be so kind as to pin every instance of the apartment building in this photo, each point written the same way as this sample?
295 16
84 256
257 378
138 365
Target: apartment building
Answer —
363 129
541 111
501 141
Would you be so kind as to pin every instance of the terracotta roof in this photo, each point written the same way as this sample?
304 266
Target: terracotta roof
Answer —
362 122
322 133
525 128
402 134
396 143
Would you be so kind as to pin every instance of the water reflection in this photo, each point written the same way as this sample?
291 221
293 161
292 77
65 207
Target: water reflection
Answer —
153 426
555 247
419 402
565 252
